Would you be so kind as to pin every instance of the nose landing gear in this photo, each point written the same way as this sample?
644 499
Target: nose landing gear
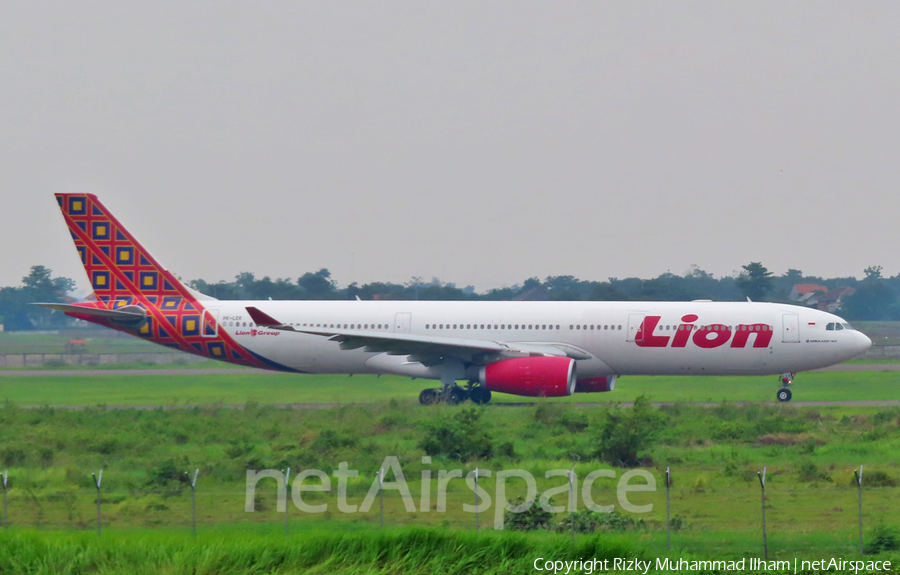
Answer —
784 394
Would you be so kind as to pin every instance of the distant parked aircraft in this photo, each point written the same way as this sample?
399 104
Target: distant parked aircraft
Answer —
523 348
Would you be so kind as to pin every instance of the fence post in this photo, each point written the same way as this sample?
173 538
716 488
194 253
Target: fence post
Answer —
287 507
476 499
762 484
381 495
97 480
572 502
5 515
193 501
859 497
668 535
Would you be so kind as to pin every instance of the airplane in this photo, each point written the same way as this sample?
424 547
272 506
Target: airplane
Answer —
532 349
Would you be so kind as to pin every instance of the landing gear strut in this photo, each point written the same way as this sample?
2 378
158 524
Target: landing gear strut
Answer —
784 394
454 395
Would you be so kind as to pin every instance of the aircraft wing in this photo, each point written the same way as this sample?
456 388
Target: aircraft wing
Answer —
426 349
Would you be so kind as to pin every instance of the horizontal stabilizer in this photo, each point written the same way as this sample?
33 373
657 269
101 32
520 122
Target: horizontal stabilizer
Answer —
127 314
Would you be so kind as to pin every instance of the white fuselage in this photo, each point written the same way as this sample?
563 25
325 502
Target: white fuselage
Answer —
610 333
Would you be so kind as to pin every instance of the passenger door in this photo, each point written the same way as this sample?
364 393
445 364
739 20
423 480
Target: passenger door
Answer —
791 328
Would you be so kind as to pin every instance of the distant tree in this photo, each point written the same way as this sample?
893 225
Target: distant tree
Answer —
755 281
604 291
414 283
39 286
317 285
872 273
872 300
793 276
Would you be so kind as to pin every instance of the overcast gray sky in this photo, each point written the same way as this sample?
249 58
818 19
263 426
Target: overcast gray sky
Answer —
480 142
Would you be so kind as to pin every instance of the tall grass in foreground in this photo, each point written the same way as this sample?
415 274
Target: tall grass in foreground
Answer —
408 550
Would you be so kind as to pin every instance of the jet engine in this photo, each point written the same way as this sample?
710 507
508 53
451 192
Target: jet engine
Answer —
595 384
537 376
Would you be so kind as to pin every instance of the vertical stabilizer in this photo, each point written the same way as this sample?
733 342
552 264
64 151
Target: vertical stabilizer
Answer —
124 276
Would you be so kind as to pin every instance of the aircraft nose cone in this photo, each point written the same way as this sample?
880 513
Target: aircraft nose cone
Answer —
864 342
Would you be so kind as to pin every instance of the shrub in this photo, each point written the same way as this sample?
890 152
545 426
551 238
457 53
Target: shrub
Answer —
587 521
462 435
624 436
237 449
677 523
46 456
547 412
329 440
574 421
532 519
507 450
876 479
167 472
884 538
809 472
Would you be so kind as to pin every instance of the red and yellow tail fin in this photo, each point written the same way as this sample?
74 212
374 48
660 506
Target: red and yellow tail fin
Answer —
125 276
128 283
119 268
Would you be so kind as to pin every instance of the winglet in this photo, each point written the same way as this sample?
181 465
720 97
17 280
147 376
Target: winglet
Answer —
264 319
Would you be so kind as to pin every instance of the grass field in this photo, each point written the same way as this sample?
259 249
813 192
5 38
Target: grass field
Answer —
275 388
407 551
714 453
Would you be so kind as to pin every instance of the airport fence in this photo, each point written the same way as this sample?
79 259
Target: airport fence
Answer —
836 515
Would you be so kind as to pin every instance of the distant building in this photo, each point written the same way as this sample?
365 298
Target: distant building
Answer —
806 294
831 301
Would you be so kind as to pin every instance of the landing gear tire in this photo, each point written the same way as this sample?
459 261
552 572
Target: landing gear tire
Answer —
428 397
784 395
480 395
456 396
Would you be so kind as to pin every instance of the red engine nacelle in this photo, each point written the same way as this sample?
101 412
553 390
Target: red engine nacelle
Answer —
531 376
595 384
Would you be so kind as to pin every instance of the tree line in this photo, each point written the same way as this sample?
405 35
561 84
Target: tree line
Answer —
876 297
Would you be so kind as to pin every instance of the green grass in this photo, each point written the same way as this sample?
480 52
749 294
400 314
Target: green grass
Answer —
375 551
714 453
277 388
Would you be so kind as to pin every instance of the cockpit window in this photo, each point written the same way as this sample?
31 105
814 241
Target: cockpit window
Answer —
838 327
847 326
829 327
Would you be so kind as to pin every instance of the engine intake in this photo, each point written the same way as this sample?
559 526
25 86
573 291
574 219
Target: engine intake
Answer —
531 376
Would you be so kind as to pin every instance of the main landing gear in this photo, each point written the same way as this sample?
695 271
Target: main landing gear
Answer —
784 394
454 395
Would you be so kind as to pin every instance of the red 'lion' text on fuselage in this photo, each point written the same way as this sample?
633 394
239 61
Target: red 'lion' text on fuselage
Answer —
706 337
